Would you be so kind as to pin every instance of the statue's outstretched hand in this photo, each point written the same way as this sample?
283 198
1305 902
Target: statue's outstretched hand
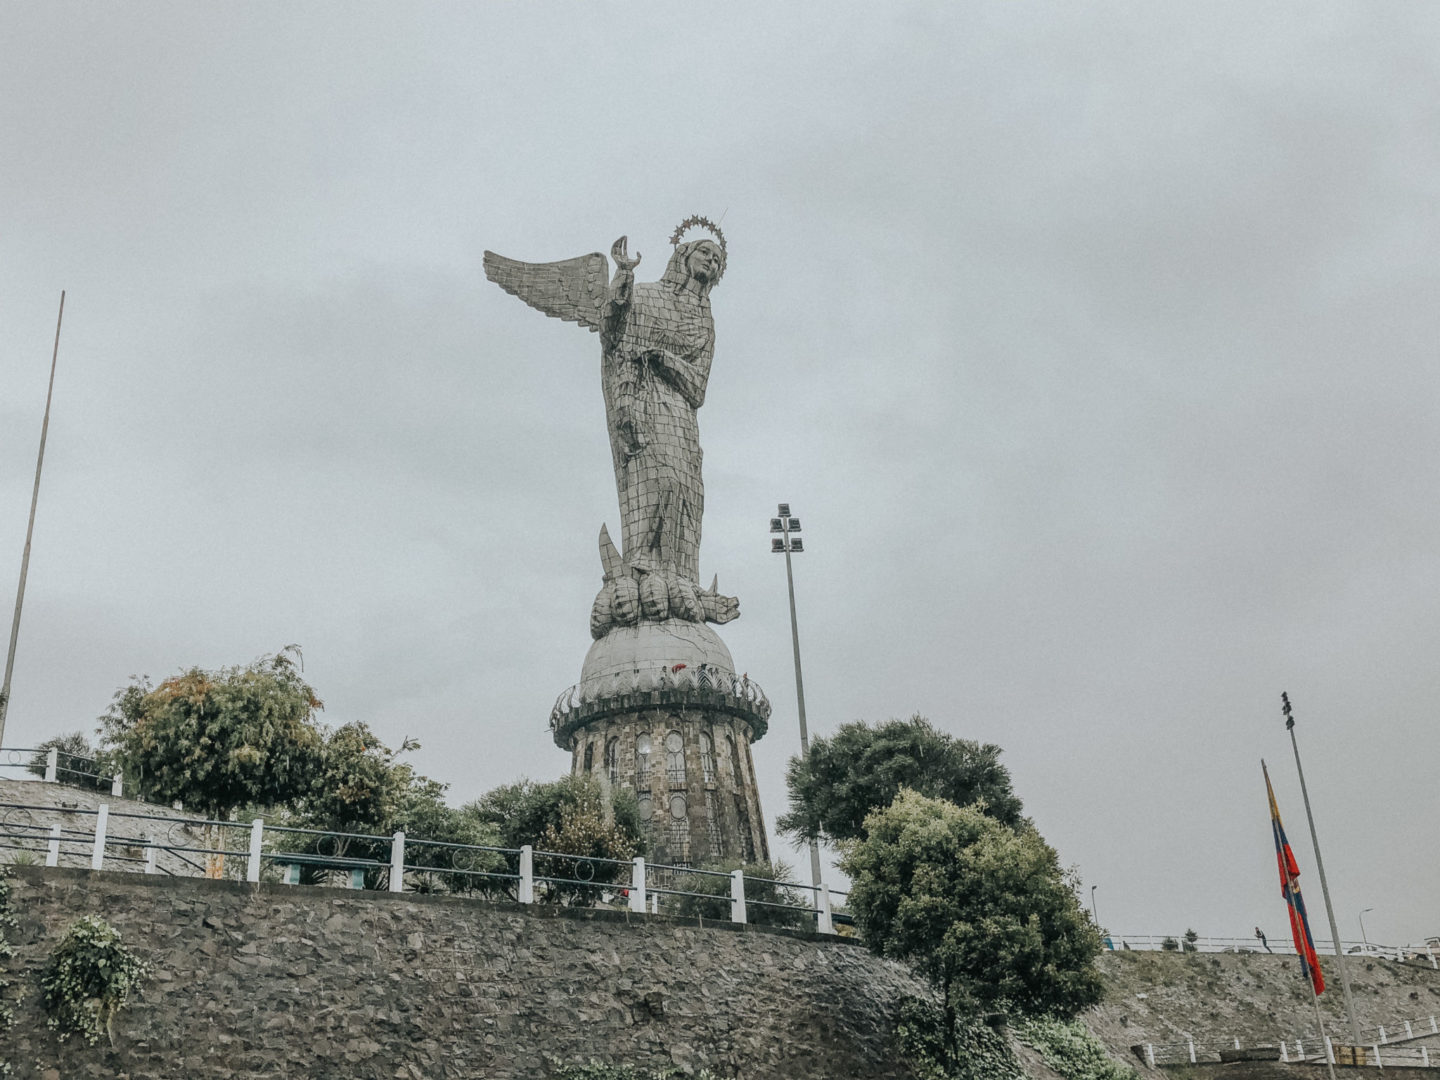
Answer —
622 259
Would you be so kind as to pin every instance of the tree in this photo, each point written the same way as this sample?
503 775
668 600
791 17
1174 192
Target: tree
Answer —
219 740
760 893
861 768
980 909
78 763
576 817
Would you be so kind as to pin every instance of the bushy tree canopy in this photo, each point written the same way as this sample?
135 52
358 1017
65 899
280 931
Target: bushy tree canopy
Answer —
575 816
981 909
760 894
218 740
862 768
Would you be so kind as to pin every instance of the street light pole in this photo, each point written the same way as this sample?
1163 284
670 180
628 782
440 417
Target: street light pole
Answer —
1363 938
1093 910
1320 869
784 524
29 529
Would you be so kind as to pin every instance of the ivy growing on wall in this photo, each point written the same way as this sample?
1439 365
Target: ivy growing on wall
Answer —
89 976
1068 1047
7 921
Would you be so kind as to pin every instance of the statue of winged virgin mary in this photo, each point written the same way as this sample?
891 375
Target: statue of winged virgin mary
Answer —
656 342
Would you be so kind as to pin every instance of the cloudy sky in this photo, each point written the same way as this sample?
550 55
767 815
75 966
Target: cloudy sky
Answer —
1095 345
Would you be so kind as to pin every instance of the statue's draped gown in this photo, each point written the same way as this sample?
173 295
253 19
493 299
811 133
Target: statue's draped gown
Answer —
654 377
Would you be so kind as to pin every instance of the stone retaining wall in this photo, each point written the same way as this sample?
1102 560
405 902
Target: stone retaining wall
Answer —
292 981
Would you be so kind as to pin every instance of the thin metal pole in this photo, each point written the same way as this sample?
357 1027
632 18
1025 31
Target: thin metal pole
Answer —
1320 1022
1093 909
799 689
1324 888
29 530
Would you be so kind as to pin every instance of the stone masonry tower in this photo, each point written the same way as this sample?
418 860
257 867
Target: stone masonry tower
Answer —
659 706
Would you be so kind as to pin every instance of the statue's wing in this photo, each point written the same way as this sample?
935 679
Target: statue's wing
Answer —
574 289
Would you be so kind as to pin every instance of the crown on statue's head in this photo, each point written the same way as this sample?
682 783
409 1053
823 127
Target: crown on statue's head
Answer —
703 222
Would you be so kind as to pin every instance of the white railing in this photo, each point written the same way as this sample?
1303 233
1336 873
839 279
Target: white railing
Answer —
1307 1047
61 767
1177 943
188 846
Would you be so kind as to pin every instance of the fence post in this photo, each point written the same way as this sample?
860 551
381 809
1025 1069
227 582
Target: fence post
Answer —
527 874
1150 1054
637 884
1408 1033
737 896
1329 1051
1378 1062
117 787
1382 1034
150 852
1425 1057
257 831
52 765
97 854
824 921
1432 1025
397 861
1284 1057
52 857
654 903
1299 1049
1191 1043
1237 1042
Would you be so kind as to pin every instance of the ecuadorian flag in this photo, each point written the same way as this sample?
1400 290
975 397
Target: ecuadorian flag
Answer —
1290 889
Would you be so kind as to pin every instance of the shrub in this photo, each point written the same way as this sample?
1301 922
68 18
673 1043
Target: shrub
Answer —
1068 1047
89 976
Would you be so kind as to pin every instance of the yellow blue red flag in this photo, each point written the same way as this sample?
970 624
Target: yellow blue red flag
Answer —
1290 890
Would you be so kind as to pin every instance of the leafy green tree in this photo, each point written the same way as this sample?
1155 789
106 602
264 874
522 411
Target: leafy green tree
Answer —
219 740
862 768
760 892
572 817
982 910
360 787
78 764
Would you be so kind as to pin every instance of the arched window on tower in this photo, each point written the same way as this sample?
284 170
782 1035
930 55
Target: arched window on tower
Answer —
679 838
707 758
612 760
642 759
742 818
712 825
589 757
675 758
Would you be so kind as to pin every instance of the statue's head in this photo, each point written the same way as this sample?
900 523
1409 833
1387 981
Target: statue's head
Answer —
700 261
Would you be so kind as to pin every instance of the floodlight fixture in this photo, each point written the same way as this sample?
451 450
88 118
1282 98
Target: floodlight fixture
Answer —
796 544
777 546
776 525
784 510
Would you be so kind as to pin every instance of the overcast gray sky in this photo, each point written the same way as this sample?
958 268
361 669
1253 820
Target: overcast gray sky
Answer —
1095 345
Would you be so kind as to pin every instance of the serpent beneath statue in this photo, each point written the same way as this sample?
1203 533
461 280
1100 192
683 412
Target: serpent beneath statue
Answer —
657 341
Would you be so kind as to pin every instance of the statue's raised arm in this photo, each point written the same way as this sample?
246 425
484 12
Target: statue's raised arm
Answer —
657 342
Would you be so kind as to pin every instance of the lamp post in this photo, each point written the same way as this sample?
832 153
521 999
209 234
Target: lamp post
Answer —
1363 938
1093 910
785 525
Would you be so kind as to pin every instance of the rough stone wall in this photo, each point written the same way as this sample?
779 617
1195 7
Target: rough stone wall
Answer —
276 981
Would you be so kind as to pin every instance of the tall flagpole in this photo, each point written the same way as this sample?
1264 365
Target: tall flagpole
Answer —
29 529
1320 869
